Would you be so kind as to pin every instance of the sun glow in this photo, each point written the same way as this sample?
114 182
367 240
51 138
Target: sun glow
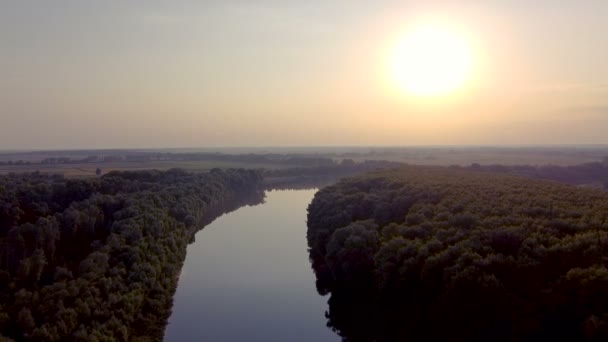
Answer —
431 61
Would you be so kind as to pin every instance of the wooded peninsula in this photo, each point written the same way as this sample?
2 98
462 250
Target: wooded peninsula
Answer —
430 253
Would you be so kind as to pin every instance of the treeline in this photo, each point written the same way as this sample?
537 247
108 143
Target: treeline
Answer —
98 259
291 160
592 174
306 160
322 175
441 253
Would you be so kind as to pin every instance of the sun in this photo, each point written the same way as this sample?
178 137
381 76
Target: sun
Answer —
431 60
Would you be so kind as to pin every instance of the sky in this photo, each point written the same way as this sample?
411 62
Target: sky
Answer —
137 74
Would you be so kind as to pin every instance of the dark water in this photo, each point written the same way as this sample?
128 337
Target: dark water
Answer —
247 278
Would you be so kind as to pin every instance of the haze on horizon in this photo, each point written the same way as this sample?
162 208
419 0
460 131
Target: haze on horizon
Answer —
120 74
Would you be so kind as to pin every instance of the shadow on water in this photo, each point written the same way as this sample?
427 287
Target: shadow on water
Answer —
241 199
228 205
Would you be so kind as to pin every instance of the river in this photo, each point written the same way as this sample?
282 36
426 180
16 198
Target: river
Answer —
247 278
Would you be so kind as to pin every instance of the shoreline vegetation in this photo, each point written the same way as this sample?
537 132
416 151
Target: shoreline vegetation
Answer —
97 259
447 253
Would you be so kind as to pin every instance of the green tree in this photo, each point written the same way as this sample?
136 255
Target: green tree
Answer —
26 321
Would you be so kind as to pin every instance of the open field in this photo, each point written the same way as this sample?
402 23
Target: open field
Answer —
88 169
83 163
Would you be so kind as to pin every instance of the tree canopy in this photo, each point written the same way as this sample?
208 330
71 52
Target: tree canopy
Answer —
98 259
446 253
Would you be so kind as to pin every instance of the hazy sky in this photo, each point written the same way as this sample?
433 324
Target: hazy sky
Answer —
83 74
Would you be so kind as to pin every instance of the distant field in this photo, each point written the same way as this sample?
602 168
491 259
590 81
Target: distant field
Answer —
83 163
88 169
486 157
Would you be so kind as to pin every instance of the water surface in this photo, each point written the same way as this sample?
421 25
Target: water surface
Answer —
247 278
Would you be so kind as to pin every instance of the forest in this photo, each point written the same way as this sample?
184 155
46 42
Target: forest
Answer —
98 259
588 174
434 253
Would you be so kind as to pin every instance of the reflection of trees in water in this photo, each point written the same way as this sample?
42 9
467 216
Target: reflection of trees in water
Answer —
439 254
228 205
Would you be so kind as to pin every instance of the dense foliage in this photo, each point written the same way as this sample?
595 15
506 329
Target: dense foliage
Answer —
98 259
589 174
439 253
